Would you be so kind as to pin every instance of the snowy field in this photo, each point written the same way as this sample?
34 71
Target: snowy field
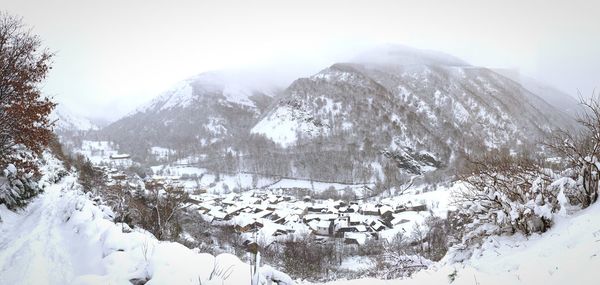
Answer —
100 152
317 186
196 177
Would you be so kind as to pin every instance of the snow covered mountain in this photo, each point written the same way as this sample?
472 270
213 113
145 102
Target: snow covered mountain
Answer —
68 121
419 107
196 113
392 107
185 93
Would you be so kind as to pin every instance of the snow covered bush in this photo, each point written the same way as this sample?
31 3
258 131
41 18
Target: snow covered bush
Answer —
400 257
581 150
159 208
307 258
503 193
16 189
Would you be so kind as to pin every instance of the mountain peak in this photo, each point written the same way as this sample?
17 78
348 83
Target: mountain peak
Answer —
400 55
236 87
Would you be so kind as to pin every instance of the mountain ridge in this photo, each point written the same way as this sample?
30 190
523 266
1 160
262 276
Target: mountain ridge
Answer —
415 114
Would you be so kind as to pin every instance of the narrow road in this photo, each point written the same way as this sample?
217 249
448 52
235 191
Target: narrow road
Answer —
38 247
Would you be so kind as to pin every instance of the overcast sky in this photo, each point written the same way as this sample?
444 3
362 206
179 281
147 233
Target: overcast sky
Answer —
113 55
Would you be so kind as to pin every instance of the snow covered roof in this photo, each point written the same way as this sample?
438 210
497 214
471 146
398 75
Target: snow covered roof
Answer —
323 224
320 217
119 156
360 238
243 220
218 214
263 214
385 209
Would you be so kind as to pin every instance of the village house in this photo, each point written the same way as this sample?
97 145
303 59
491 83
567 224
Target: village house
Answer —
319 217
219 215
323 228
119 156
355 238
369 210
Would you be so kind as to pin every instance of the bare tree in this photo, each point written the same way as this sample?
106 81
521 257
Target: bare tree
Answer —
581 148
160 207
504 190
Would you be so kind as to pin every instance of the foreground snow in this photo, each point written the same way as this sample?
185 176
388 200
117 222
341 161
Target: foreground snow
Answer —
64 238
37 247
569 253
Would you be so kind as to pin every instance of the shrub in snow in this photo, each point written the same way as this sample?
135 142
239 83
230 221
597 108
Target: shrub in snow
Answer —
305 257
581 149
137 257
158 209
398 265
15 188
506 194
401 256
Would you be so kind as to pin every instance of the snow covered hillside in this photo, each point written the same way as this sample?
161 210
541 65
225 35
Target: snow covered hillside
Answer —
68 121
184 93
393 108
62 237
199 112
569 253
423 100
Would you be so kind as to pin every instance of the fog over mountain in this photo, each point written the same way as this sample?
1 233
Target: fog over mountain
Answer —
189 38
393 106
558 99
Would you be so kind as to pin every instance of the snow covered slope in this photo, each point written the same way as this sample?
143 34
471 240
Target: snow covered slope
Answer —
210 108
186 92
68 121
569 253
37 247
407 101
62 237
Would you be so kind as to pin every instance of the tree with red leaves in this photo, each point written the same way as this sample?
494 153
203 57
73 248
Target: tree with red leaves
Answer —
25 127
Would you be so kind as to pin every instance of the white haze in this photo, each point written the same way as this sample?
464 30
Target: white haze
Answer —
114 55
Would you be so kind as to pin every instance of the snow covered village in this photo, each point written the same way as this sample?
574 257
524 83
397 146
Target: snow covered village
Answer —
299 142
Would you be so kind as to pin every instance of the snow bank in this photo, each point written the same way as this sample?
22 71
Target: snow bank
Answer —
569 253
63 237
138 255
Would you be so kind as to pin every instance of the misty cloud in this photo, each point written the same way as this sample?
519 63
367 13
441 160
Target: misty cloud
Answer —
113 55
